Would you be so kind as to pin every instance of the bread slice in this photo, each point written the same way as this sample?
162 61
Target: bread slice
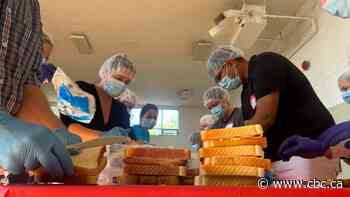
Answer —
246 131
152 161
158 153
246 150
238 161
261 141
226 181
89 162
87 166
134 169
231 171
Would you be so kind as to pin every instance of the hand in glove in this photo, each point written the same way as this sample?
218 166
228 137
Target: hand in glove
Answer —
301 146
24 147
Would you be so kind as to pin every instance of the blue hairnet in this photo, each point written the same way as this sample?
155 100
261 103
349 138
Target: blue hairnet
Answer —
220 56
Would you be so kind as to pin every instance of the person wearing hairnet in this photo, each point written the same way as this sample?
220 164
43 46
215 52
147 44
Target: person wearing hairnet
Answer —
340 8
206 122
344 86
128 98
111 117
148 119
216 100
278 96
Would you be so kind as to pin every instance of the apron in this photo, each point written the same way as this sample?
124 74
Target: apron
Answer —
298 168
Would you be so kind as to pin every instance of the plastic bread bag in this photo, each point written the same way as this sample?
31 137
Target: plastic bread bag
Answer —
72 101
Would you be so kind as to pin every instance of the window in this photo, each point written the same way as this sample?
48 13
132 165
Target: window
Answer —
167 122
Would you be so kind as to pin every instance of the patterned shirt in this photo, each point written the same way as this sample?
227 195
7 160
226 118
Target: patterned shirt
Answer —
20 50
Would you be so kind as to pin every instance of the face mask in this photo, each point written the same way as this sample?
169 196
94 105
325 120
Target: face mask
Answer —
340 8
148 123
218 111
229 83
114 87
346 96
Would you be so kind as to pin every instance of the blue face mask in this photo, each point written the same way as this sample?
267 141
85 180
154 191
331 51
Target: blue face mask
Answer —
218 111
346 96
340 8
229 83
148 123
114 87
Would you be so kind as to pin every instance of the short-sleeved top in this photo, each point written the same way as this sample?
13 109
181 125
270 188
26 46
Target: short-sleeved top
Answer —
300 111
235 117
118 117
139 134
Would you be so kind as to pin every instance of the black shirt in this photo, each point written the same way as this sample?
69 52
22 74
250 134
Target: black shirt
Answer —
118 117
300 111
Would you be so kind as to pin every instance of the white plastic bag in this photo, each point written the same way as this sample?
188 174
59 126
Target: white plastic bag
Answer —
72 101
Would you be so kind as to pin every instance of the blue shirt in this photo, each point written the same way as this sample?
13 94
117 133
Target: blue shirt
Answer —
140 134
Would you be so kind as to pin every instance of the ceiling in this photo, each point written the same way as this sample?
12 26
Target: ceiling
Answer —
157 35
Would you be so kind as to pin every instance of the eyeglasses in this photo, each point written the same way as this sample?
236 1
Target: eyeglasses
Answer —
220 74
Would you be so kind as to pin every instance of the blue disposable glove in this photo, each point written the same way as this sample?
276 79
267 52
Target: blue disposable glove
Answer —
68 138
116 131
301 146
24 147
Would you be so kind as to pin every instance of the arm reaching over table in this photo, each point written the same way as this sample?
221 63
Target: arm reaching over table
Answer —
334 142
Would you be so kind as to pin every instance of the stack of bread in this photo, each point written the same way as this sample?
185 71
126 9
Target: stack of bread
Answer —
154 165
233 156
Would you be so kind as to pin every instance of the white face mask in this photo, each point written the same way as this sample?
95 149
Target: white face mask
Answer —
114 87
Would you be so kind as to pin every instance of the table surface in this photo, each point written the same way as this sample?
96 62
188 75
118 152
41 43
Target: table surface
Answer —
160 191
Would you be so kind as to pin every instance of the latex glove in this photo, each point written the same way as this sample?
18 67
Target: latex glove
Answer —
336 134
68 138
46 72
337 140
116 131
301 146
24 147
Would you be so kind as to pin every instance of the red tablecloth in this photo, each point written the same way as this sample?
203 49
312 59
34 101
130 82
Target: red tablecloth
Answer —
160 191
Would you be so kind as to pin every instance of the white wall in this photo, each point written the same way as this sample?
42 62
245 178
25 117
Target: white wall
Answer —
189 123
328 52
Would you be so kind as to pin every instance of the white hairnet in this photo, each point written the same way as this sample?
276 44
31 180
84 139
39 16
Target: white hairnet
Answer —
215 93
220 56
207 121
128 98
112 64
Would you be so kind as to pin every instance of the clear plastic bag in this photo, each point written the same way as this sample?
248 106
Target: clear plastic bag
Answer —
71 100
